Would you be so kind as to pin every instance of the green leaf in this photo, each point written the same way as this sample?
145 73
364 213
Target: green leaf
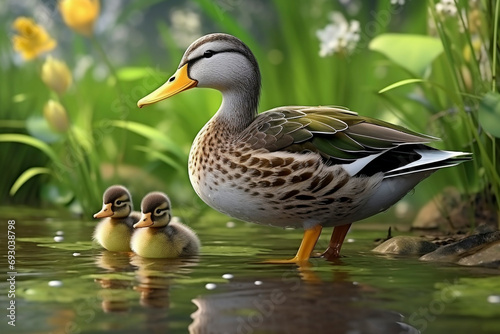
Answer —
151 134
160 156
134 73
399 84
412 52
24 139
25 176
489 113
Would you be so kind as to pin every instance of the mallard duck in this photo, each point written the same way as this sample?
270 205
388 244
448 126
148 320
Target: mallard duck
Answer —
294 166
160 235
115 229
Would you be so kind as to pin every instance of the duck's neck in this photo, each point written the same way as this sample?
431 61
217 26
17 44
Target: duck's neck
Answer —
237 111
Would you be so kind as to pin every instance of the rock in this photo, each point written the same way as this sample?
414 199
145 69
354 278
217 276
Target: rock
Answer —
465 247
429 217
488 255
440 211
405 245
452 211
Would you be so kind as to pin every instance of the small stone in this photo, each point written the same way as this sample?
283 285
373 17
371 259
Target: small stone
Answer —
59 233
488 255
463 248
55 284
350 240
405 245
230 224
76 254
257 282
494 299
58 238
429 216
210 286
227 276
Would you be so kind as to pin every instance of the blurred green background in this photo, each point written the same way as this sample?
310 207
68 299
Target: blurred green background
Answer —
436 62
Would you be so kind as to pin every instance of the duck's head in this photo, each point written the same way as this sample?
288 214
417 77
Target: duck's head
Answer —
155 209
218 61
116 203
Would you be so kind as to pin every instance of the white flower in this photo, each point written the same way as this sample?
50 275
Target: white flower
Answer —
186 26
446 8
397 2
340 36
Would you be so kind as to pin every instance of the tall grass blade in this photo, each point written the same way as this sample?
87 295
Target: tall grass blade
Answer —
399 84
25 176
24 139
151 134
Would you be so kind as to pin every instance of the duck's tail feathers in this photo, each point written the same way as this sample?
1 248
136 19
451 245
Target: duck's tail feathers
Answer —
431 159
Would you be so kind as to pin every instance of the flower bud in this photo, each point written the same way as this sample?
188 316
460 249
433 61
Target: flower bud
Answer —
56 75
80 15
56 116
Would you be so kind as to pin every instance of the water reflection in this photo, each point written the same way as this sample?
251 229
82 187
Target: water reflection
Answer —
113 300
154 277
99 291
298 302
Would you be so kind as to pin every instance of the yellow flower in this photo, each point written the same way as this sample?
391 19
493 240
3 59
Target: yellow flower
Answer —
80 15
56 116
476 50
56 75
32 39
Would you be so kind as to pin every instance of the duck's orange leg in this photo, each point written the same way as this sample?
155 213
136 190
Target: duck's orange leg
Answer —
306 246
336 241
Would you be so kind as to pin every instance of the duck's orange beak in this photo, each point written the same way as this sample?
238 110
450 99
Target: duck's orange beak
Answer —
177 83
145 221
105 211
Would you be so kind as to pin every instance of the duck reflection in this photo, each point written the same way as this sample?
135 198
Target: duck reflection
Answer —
154 277
113 300
297 302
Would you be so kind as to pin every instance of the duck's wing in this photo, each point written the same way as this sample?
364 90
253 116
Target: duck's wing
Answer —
362 145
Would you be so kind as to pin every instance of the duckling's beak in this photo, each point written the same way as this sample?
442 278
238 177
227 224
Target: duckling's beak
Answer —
177 83
145 221
106 211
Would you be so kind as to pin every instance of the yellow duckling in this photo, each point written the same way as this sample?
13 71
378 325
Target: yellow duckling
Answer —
162 237
115 230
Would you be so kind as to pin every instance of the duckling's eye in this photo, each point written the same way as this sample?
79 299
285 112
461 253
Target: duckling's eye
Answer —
208 54
158 212
118 202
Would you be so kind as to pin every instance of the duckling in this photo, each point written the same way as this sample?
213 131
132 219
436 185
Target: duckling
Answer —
162 235
115 230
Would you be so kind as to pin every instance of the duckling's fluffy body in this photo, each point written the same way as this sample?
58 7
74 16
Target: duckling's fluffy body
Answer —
115 234
114 230
171 241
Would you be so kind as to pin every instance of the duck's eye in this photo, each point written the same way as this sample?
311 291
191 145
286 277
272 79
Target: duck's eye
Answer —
208 54
118 202
158 212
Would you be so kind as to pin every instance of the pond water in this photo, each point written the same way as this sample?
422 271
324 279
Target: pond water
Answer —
65 284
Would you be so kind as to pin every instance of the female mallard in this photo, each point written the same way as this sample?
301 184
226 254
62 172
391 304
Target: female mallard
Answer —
115 230
308 167
162 236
